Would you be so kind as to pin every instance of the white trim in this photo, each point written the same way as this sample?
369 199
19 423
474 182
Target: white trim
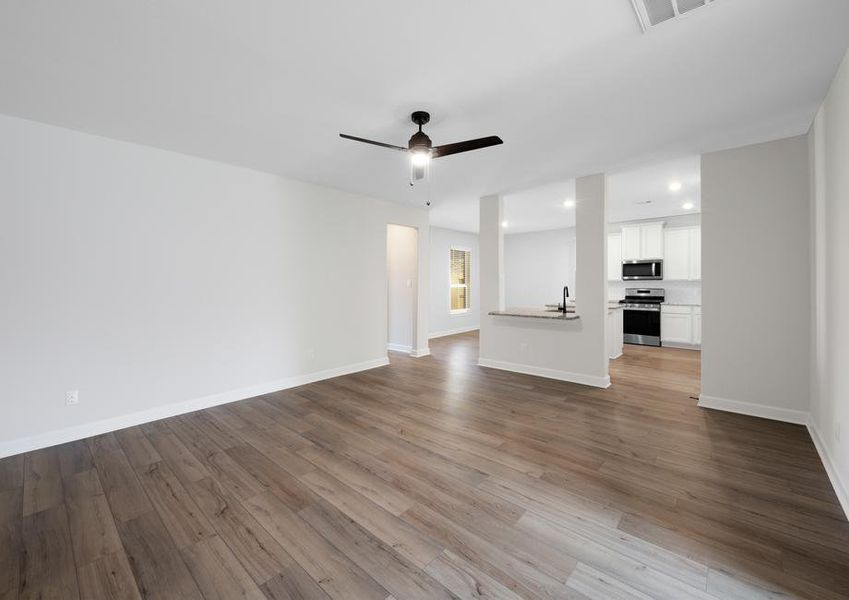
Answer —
439 334
787 415
78 432
840 487
406 348
615 357
583 379
797 417
681 345
420 352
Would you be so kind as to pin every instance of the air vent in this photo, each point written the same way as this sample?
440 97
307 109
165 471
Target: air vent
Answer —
654 12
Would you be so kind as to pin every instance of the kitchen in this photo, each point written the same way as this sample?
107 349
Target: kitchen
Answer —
653 253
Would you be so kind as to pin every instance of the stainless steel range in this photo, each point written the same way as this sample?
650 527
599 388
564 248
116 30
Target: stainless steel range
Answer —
642 315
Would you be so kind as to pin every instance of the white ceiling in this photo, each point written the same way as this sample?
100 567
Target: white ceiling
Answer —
540 208
644 192
571 86
632 194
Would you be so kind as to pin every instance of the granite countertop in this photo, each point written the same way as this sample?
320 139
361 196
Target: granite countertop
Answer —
570 306
536 313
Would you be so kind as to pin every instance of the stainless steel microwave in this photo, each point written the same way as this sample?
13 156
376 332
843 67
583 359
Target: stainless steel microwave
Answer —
633 270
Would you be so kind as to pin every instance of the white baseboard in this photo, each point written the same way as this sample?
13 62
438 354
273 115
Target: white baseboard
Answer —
615 357
399 348
797 417
78 432
420 352
583 379
682 346
787 415
439 334
841 489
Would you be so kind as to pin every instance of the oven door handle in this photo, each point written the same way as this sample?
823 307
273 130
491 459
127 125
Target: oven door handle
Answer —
643 309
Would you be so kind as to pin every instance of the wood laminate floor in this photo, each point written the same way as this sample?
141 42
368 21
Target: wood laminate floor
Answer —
434 478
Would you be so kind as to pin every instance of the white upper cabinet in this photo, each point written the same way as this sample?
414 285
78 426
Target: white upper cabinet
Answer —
651 240
642 241
682 259
676 265
631 242
614 257
696 253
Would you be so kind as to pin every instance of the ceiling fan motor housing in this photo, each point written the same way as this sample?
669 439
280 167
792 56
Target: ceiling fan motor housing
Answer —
420 142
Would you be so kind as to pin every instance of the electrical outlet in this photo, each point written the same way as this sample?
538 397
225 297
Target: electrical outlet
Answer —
72 397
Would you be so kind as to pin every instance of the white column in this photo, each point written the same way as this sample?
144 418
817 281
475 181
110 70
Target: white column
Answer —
591 267
491 240
491 254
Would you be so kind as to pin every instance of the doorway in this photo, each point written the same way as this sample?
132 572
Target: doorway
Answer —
402 287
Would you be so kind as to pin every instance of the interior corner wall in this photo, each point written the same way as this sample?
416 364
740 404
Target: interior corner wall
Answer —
755 215
156 283
442 321
830 326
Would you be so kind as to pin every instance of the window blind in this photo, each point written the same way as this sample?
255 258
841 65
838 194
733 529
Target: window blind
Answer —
460 268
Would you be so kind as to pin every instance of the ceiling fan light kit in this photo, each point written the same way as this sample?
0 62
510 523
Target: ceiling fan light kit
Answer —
421 148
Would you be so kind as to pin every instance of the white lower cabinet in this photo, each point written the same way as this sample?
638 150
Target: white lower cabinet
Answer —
680 325
697 325
615 333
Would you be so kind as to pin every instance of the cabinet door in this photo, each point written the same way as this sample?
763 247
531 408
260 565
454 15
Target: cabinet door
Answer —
696 253
614 257
631 242
677 260
618 331
697 326
676 327
651 240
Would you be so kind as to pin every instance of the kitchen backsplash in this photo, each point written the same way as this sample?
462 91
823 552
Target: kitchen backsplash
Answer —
677 292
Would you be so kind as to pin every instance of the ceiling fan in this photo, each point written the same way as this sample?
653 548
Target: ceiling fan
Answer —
422 150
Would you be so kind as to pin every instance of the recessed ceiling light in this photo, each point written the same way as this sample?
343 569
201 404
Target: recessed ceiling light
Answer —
675 186
569 203
687 206
504 223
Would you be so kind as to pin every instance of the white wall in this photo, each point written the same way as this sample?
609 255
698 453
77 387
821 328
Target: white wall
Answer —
156 282
401 271
537 265
755 210
568 350
830 330
442 322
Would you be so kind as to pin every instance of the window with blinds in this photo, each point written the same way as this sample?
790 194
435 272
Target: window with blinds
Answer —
461 268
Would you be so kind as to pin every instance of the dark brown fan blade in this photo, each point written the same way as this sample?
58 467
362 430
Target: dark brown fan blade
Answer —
359 139
477 144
